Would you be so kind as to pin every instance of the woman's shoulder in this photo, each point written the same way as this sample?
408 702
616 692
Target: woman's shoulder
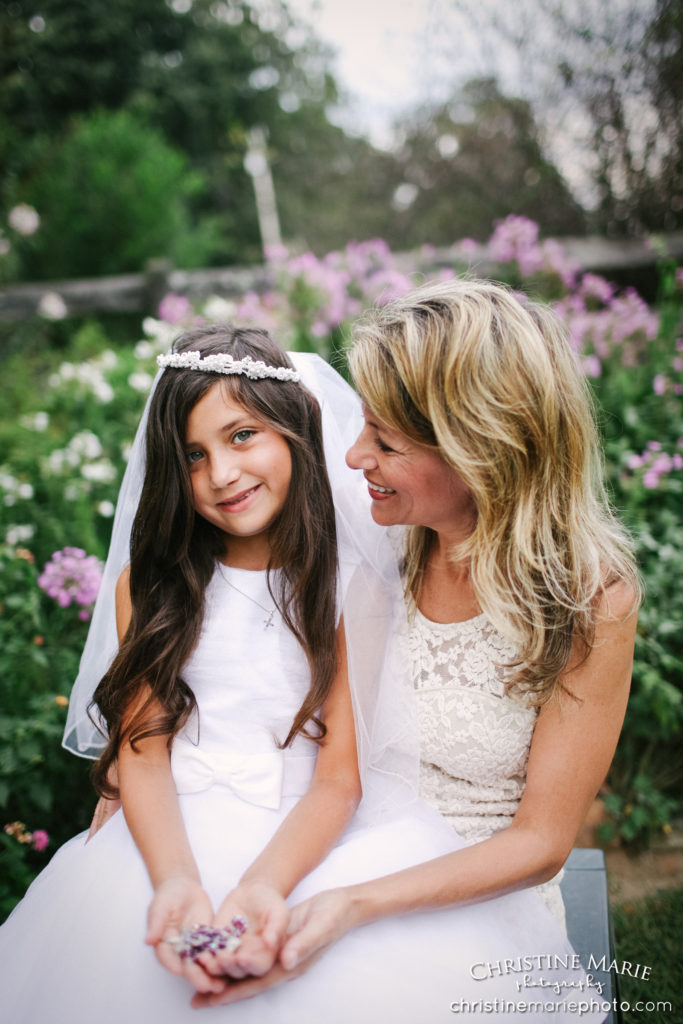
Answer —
618 599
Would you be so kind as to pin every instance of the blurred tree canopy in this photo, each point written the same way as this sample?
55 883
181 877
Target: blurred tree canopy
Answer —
473 160
126 126
605 81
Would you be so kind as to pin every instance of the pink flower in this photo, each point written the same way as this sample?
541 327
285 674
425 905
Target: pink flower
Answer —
175 309
592 366
469 247
659 384
40 839
71 576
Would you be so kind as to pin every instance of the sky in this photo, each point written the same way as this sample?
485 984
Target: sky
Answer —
391 54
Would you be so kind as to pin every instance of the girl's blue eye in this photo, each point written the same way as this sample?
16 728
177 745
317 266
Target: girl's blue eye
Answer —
243 435
193 457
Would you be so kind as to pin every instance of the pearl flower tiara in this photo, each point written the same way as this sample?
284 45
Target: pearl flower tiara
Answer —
221 362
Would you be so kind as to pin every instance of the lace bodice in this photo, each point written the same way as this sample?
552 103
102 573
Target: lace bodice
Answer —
474 736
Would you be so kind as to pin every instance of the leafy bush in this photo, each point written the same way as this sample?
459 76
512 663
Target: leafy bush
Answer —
112 194
649 933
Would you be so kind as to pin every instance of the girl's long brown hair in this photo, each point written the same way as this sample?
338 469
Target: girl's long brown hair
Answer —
173 551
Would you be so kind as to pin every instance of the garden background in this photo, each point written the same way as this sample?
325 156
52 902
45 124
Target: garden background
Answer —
204 134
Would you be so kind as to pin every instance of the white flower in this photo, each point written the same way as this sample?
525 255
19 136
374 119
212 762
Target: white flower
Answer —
144 350
106 509
52 306
90 375
55 460
19 534
162 333
217 308
4 246
141 381
24 219
103 391
10 499
87 444
102 472
39 421
72 492
107 360
25 491
7 481
67 371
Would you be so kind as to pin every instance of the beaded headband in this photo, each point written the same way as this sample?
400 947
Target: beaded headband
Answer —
221 362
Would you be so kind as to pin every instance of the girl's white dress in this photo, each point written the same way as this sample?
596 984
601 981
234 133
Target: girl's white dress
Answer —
72 952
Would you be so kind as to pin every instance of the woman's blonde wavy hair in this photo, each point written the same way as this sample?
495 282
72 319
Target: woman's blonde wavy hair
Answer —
489 379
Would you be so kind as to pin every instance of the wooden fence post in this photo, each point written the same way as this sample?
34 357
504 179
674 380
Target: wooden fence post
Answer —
157 283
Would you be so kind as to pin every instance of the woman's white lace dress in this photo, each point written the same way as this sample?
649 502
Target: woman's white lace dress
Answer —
474 737
73 951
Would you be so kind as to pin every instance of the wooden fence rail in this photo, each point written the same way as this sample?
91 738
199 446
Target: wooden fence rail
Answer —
141 293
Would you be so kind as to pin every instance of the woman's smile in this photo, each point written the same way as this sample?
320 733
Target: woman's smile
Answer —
378 493
409 484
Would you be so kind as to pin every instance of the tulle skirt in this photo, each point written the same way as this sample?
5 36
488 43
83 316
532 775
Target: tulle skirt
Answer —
72 952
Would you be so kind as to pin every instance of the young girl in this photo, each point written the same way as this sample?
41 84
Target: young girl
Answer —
230 734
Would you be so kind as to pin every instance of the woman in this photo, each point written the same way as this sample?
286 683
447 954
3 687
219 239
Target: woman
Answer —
522 595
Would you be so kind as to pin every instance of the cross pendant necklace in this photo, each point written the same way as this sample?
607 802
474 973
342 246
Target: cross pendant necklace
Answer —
267 623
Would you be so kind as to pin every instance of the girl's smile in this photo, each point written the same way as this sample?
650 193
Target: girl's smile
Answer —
240 470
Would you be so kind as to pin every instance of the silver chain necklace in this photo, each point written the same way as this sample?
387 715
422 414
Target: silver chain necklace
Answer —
267 623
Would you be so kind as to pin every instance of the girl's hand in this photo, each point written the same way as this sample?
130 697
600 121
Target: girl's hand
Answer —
314 926
180 903
265 915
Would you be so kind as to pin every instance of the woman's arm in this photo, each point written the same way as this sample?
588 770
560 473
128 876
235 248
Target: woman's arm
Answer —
571 751
304 838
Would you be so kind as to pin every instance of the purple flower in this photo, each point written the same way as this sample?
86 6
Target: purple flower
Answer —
596 287
71 576
516 238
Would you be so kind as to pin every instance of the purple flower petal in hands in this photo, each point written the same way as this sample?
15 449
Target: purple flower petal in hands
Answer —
266 916
314 925
178 904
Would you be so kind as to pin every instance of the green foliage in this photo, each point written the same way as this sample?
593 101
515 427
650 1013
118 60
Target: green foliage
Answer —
649 932
637 815
39 781
20 864
112 194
